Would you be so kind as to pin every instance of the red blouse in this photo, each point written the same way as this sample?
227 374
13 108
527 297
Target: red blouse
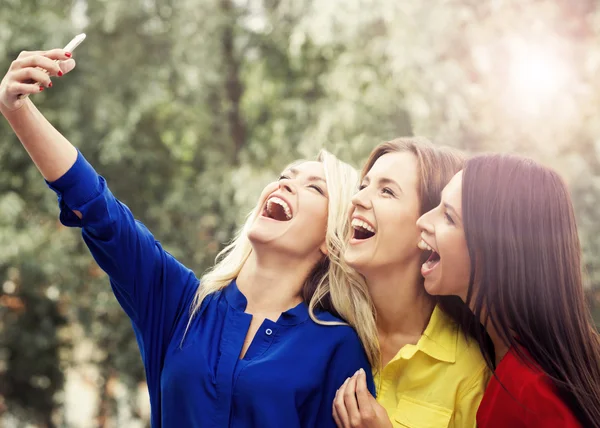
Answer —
535 403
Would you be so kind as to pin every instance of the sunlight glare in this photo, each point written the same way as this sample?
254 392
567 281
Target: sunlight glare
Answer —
537 74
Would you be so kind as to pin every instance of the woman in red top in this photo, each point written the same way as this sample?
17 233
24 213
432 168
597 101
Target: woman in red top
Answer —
504 239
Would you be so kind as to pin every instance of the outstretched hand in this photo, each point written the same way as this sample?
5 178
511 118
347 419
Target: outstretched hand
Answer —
355 407
30 73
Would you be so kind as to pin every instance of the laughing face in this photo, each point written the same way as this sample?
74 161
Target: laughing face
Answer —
293 219
384 214
447 272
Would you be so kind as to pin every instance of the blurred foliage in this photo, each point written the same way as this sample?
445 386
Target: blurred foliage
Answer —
188 108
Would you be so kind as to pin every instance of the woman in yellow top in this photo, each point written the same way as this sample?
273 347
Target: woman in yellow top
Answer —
430 373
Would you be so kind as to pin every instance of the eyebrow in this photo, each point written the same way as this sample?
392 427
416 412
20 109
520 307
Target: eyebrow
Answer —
384 181
294 171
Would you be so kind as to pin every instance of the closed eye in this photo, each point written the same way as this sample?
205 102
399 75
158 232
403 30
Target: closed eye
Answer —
317 188
448 219
362 186
283 177
388 191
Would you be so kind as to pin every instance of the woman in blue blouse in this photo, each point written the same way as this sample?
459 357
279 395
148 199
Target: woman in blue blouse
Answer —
252 346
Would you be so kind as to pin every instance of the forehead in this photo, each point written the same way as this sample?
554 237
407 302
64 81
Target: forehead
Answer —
401 167
452 193
308 168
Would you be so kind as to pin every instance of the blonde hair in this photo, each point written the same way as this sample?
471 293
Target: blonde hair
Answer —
332 285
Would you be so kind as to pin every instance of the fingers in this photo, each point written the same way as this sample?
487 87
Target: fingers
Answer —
25 54
32 75
351 403
38 61
32 70
336 418
67 65
58 54
340 408
16 89
364 398
54 54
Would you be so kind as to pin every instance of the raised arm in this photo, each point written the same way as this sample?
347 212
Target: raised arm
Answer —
150 284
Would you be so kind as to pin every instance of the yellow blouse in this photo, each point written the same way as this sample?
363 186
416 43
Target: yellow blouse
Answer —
436 383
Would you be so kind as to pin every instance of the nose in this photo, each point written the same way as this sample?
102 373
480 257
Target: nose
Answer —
287 186
361 199
424 224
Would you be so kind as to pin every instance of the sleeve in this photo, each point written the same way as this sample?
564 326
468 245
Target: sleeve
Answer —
150 285
543 407
469 397
347 359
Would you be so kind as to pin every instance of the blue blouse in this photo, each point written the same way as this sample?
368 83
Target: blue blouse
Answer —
288 376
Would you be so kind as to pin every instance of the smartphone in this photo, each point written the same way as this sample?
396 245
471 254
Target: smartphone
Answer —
76 41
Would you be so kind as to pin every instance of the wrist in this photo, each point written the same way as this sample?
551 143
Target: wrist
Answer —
7 112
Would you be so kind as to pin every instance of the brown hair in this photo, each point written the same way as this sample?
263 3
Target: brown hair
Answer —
437 165
522 238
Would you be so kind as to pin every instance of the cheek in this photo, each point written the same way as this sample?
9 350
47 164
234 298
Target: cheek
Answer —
269 188
314 217
398 223
457 264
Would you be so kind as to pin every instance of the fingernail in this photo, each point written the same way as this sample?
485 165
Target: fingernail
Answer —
60 73
68 54
361 371
50 84
357 372
41 88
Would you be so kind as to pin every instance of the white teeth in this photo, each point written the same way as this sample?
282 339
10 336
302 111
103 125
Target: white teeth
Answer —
359 223
424 246
281 203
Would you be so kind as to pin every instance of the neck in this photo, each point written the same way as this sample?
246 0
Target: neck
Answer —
500 346
273 282
402 305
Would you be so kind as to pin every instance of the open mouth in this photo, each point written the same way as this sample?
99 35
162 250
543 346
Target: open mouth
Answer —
277 209
432 261
362 230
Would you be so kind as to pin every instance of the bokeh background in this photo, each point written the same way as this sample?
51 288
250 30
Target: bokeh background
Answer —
189 107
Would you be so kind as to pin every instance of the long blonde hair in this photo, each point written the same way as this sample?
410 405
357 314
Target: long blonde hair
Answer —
332 285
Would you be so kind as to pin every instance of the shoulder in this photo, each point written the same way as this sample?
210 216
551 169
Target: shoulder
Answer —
467 367
344 347
534 385
336 330
541 397
468 351
531 386
327 317
470 365
520 370
461 349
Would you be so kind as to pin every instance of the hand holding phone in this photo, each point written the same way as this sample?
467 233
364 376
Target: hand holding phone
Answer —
76 41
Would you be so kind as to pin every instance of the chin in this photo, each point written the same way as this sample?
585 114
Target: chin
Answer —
350 258
264 241
432 287
355 262
260 237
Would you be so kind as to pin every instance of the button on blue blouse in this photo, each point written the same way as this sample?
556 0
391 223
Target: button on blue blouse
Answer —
289 374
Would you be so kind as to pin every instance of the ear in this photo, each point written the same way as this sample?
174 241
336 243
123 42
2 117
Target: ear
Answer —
323 249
